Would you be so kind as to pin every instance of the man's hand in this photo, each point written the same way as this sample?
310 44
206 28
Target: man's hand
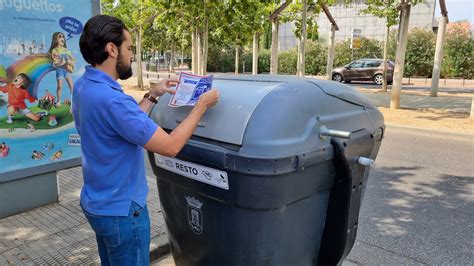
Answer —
209 98
170 144
163 87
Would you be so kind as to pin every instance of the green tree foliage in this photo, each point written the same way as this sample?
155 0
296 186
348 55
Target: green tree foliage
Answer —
420 53
134 13
153 40
458 54
370 48
392 45
287 62
293 13
342 53
264 61
241 19
316 58
266 37
221 58
387 9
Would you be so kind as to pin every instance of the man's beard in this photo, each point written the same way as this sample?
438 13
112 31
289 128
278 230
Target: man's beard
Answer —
123 71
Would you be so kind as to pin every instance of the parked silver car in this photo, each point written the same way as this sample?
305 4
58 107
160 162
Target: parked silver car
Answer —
364 70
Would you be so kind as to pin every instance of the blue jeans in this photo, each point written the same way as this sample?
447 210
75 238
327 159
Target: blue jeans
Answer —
123 240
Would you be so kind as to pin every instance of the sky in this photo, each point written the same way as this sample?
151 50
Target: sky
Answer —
458 10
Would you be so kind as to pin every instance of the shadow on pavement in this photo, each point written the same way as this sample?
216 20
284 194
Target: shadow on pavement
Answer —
413 216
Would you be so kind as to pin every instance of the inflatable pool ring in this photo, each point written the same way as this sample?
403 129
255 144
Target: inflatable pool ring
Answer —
4 152
56 156
48 146
37 155
52 120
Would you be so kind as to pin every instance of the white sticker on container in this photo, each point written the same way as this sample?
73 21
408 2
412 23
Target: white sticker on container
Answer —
194 171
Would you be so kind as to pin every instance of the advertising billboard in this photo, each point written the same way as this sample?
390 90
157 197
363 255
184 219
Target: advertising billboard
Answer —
356 38
40 60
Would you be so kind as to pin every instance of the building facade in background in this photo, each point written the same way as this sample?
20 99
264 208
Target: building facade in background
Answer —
348 17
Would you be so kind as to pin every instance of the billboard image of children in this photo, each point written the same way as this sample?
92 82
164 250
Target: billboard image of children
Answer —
63 62
17 94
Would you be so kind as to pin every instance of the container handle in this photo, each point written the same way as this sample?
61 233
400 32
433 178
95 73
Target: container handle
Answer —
366 161
326 132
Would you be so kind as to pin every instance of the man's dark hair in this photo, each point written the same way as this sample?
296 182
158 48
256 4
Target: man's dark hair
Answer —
26 81
98 31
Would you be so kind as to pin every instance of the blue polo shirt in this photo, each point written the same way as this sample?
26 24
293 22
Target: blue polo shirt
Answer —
113 130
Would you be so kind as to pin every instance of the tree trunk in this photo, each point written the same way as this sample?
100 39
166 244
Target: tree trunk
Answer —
300 71
255 54
267 38
158 63
194 52
182 55
237 59
330 54
472 109
400 60
139 59
199 52
274 53
385 51
205 47
172 57
438 56
176 60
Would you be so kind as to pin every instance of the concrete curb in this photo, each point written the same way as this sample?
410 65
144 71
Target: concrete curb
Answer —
159 247
431 133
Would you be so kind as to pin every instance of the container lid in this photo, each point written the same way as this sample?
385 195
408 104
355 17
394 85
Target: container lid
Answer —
228 119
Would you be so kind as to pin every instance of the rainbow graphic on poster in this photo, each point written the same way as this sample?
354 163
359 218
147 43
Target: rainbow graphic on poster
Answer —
35 67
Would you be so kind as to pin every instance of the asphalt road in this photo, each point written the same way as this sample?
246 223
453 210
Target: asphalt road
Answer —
419 202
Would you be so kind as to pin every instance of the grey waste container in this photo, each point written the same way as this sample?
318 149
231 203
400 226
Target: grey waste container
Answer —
273 175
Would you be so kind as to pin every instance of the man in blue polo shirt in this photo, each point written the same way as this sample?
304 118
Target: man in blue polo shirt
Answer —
114 129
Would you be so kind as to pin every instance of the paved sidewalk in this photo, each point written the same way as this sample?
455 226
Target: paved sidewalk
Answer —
413 101
58 234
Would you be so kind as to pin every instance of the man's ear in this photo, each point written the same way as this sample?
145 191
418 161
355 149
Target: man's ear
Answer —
112 50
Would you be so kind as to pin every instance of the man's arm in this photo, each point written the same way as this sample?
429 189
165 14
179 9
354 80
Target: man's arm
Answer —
159 89
145 105
171 144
